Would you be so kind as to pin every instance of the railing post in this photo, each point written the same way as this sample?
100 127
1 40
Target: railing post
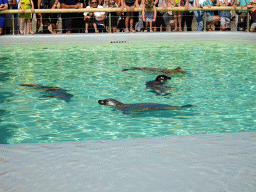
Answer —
13 25
109 22
248 21
204 19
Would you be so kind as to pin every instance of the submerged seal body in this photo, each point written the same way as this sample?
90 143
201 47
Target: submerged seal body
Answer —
157 70
127 108
156 86
55 92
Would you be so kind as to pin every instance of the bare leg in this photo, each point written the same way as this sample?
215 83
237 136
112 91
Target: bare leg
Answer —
86 27
95 27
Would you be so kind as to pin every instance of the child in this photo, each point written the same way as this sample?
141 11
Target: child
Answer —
26 17
112 4
129 5
148 17
90 19
225 16
210 18
177 15
242 15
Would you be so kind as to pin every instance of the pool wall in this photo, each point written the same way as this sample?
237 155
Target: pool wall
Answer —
127 38
210 162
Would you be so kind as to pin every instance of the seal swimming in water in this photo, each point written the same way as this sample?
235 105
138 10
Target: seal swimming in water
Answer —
128 108
55 92
165 71
156 86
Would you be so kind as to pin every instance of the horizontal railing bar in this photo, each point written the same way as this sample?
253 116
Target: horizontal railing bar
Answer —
222 8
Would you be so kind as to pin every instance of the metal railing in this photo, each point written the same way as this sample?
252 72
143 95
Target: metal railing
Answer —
110 10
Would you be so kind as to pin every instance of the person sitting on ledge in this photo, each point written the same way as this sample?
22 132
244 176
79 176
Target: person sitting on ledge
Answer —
98 17
210 18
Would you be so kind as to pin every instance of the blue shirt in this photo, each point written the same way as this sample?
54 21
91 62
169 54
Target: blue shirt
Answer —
3 2
209 2
243 2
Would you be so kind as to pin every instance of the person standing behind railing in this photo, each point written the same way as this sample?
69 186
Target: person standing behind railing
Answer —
112 4
210 18
187 17
225 16
242 15
177 15
68 18
199 14
26 17
253 15
148 17
3 6
129 5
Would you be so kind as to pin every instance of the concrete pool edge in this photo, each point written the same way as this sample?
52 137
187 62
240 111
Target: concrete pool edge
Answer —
206 162
126 38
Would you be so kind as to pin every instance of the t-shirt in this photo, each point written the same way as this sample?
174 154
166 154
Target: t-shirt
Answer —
209 2
69 2
3 2
97 14
223 1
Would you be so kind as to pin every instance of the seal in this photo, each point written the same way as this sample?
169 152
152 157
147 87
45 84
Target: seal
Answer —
156 86
55 92
157 70
141 107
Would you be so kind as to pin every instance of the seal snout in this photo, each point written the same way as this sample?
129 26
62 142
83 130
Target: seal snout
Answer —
162 78
101 102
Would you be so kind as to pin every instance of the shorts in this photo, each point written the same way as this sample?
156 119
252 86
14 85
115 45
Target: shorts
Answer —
149 16
209 19
253 26
225 17
2 21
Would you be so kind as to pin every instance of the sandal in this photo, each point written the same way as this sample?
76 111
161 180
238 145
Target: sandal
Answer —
96 31
126 30
151 31
145 31
132 30
22 32
208 28
86 31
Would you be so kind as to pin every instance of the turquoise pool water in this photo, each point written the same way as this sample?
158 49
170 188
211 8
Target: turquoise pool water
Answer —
220 83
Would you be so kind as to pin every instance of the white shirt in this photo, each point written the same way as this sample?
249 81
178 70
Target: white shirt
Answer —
97 14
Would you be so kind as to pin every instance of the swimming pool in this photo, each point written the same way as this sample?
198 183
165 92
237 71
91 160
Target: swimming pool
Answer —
195 162
220 83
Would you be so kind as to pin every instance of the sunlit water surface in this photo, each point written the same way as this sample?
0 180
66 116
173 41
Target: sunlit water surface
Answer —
220 83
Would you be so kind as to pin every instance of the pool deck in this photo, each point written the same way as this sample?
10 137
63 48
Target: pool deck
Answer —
126 37
207 162
210 162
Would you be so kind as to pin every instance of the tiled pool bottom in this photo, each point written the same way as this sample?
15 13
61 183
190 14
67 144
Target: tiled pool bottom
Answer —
214 162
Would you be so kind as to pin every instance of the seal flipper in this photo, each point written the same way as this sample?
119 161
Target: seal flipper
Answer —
126 112
187 106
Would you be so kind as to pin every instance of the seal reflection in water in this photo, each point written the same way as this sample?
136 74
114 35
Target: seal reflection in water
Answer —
128 108
156 86
55 92
164 71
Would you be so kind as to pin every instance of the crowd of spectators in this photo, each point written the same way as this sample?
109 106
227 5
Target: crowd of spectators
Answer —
146 21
